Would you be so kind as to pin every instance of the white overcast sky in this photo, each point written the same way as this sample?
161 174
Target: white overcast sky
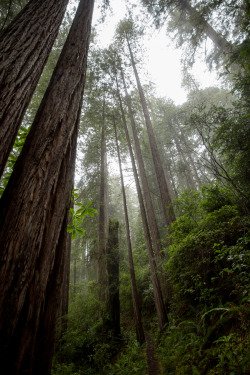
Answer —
162 60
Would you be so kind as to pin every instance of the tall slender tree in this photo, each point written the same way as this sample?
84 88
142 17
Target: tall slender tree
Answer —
24 49
103 217
145 186
195 18
158 295
34 210
137 312
113 302
127 30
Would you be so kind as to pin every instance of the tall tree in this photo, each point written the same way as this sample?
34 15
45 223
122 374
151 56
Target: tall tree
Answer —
34 210
195 22
145 187
24 49
137 311
158 296
128 32
113 305
103 217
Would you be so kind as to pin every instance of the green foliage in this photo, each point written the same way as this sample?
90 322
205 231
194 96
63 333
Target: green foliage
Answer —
17 148
131 360
85 342
63 369
209 260
196 347
225 133
78 214
208 274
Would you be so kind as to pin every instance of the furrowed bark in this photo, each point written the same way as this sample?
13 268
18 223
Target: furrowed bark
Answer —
34 209
25 46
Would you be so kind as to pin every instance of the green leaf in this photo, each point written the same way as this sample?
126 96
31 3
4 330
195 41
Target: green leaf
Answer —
80 231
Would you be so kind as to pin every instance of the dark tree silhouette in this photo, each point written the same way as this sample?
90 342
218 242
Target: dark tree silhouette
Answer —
25 46
34 210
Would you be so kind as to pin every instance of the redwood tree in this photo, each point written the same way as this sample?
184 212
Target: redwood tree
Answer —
103 218
136 306
158 295
158 165
156 239
113 304
24 49
34 210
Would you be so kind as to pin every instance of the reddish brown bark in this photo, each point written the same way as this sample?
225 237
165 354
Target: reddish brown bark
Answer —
34 210
137 311
24 49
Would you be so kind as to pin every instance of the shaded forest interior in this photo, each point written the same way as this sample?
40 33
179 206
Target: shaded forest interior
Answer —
124 217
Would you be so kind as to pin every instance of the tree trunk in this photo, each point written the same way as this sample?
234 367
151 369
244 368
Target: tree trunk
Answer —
25 46
113 321
74 277
137 311
190 158
65 286
34 209
188 172
158 298
160 176
103 221
145 187
220 42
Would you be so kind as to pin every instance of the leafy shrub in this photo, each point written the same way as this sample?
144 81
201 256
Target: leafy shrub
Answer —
217 347
131 360
204 257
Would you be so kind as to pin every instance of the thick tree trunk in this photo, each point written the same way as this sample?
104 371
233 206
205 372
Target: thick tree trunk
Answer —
158 297
24 49
113 306
103 221
34 210
137 311
160 176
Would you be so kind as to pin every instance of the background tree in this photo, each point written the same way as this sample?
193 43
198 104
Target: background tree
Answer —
137 311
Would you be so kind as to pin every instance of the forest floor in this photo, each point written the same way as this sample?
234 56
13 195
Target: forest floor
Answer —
153 363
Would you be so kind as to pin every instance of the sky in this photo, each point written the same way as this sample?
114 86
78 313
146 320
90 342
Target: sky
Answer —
162 60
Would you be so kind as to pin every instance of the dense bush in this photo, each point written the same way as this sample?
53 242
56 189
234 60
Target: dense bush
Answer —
208 272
